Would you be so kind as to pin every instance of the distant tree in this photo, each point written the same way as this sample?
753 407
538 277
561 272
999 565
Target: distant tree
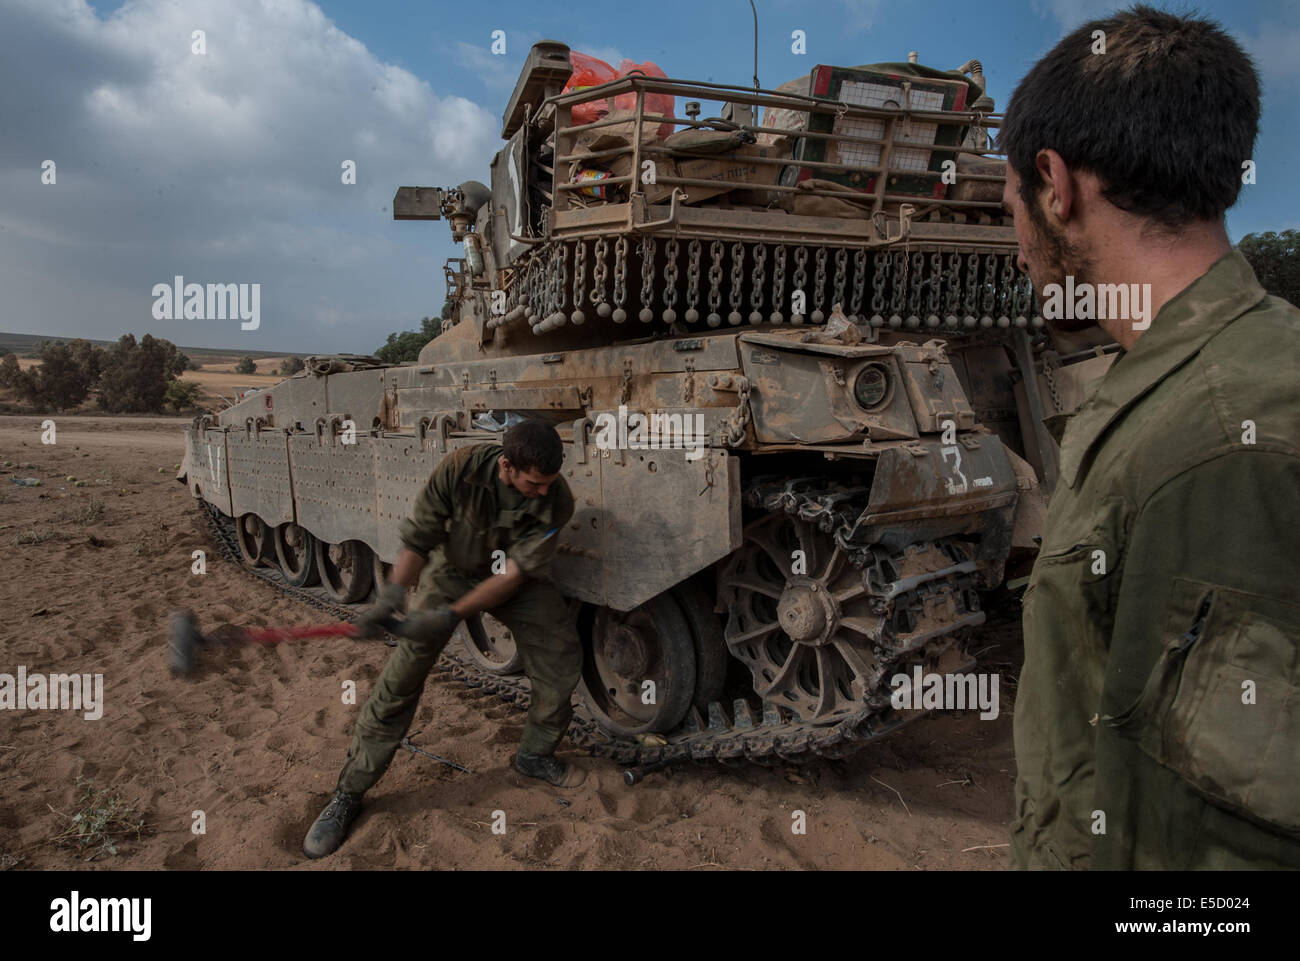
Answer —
10 372
406 346
195 365
246 366
182 395
401 347
90 358
447 309
1275 258
64 377
136 375
291 365
182 364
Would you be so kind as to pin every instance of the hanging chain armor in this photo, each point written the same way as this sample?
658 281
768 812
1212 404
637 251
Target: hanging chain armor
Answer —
670 281
736 296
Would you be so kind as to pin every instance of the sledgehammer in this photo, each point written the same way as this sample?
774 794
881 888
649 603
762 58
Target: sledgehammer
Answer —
184 638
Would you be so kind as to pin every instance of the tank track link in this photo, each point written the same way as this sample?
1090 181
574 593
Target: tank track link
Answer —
731 736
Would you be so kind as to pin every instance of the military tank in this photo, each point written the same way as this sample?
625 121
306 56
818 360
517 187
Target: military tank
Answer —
799 377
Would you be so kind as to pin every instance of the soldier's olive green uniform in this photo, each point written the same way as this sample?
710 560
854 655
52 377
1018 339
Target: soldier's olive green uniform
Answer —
1161 686
463 515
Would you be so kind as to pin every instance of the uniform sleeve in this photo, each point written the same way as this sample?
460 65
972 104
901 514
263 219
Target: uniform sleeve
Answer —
426 528
535 548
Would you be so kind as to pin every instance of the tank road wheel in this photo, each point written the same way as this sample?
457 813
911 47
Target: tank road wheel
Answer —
803 625
345 570
254 539
491 645
379 573
623 651
711 655
296 550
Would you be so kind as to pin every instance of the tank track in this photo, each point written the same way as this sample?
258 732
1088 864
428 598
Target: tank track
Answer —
734 736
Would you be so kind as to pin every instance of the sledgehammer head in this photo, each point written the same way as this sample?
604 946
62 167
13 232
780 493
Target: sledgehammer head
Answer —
183 642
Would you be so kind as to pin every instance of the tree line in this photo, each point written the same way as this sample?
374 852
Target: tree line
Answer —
404 346
130 376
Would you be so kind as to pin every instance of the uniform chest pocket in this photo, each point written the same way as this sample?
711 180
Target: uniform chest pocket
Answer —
1074 587
1221 707
472 531
487 537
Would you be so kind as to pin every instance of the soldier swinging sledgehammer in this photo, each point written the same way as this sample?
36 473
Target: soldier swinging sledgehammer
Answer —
481 537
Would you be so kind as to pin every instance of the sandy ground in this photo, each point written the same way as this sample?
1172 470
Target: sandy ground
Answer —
255 742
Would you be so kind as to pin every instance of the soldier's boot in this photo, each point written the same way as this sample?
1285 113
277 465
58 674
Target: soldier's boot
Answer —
550 769
328 830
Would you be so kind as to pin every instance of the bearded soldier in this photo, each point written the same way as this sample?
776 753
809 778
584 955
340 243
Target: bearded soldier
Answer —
1157 721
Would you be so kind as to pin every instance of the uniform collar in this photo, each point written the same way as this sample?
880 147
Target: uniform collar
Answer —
485 475
1183 326
488 475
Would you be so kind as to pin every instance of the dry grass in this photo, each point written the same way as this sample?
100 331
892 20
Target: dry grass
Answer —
101 821
87 512
152 545
36 535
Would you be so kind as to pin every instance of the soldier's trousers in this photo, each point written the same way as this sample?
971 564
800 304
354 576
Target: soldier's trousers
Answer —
544 632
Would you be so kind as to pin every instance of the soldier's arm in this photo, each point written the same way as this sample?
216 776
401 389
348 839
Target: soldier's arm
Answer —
426 528
535 546
529 556
491 592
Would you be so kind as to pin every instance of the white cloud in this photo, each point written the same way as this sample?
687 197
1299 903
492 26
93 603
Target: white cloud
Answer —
224 167
1071 13
497 70
859 15
851 17
611 55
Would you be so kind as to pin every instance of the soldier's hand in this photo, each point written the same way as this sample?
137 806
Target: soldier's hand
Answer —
429 624
379 616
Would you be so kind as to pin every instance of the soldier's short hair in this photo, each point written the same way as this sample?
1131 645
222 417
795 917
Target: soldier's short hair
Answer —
1165 117
533 444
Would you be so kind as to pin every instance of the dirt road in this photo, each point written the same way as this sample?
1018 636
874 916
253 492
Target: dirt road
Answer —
88 576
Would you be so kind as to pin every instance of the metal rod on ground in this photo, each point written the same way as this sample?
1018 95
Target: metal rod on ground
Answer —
406 743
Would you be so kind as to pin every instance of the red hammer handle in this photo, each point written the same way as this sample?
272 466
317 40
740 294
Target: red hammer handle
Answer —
274 635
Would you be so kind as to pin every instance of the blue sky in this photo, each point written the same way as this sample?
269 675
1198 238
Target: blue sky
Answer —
226 170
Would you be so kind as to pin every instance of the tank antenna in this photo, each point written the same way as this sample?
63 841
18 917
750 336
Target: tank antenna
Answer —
755 10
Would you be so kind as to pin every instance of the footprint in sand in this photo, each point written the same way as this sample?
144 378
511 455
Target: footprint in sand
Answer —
505 734
325 666
186 859
608 803
545 842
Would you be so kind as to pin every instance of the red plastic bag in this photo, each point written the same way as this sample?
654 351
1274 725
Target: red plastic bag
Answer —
655 103
588 71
